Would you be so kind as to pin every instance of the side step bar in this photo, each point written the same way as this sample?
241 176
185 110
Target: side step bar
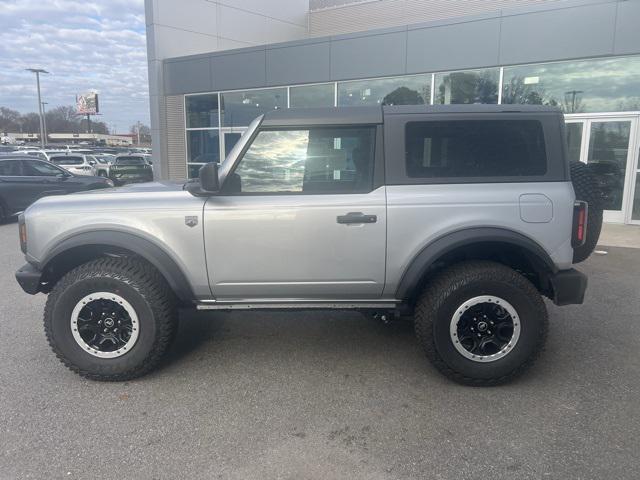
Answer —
295 304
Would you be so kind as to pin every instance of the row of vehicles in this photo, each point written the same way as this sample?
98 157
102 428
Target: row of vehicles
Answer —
25 177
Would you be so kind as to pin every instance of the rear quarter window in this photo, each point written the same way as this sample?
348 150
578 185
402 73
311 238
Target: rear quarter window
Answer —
475 149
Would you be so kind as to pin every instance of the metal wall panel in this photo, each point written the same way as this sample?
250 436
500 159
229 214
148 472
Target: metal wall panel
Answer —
299 64
176 148
244 69
450 47
558 34
627 28
192 75
369 56
361 16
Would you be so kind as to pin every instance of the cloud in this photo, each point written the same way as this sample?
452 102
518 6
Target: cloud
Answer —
85 45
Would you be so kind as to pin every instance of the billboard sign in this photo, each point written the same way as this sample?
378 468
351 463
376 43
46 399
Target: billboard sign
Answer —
87 103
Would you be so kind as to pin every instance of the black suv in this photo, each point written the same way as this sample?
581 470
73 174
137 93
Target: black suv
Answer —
23 180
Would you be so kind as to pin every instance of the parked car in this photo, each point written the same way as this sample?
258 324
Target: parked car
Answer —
23 180
462 216
132 168
102 163
79 164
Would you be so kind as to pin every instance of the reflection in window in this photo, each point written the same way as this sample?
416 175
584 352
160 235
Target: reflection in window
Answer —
202 110
203 146
574 140
318 160
579 86
474 86
240 108
409 90
607 159
312 96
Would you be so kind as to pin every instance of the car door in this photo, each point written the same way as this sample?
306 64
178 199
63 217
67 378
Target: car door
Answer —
301 216
14 194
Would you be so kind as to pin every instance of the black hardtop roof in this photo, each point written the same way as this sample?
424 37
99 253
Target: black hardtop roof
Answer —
292 117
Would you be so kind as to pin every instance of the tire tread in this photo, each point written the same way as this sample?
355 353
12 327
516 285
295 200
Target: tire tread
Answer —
443 285
148 282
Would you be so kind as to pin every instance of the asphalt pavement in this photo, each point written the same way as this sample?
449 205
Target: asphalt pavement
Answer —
324 395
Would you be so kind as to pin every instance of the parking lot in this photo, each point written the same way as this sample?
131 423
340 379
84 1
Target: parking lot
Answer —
250 395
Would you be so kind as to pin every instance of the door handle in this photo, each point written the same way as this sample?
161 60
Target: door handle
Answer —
356 217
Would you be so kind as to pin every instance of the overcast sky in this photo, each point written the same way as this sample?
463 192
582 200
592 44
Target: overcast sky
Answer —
86 45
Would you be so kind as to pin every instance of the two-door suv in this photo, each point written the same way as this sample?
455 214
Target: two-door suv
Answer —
463 216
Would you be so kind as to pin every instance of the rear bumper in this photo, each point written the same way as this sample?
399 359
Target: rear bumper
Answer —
569 287
29 277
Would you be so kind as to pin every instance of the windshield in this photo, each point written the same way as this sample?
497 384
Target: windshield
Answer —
227 164
67 160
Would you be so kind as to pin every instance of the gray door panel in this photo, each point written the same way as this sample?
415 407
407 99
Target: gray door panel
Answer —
292 246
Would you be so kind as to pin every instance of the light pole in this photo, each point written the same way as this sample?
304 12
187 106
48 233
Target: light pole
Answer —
44 119
38 71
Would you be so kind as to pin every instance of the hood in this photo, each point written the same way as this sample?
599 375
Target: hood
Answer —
149 187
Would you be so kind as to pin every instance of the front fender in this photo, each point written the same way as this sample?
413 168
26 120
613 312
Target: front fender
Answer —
154 254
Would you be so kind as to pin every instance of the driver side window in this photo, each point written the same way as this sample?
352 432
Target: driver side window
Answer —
317 160
41 169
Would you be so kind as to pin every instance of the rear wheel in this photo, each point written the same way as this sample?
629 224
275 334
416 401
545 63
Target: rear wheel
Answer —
481 323
586 189
111 319
102 173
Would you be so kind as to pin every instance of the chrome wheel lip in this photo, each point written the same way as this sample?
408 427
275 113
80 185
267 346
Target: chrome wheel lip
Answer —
135 332
453 328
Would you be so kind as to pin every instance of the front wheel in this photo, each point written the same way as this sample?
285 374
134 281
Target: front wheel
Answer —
481 323
111 319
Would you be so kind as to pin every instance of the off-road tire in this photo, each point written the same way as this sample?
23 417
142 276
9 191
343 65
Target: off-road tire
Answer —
143 287
450 289
587 190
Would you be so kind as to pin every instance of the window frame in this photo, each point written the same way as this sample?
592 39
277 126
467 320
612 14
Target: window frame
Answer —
378 161
395 148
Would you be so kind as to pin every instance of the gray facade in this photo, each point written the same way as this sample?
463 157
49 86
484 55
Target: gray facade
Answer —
550 32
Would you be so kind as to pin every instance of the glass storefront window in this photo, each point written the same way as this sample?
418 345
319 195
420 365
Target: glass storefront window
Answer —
240 108
472 86
202 110
203 146
606 85
312 95
574 140
608 150
409 90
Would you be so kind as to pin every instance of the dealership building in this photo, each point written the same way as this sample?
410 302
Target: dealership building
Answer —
216 65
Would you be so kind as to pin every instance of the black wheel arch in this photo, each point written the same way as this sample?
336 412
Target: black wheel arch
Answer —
86 246
487 243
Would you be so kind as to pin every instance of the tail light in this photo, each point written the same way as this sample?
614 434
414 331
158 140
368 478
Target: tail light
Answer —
22 231
579 235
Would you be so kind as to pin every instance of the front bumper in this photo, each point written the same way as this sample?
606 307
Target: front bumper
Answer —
569 287
29 277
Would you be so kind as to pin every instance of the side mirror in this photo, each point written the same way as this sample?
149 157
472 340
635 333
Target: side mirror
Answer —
209 181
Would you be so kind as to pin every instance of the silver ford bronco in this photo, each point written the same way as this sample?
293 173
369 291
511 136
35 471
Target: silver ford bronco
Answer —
463 217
